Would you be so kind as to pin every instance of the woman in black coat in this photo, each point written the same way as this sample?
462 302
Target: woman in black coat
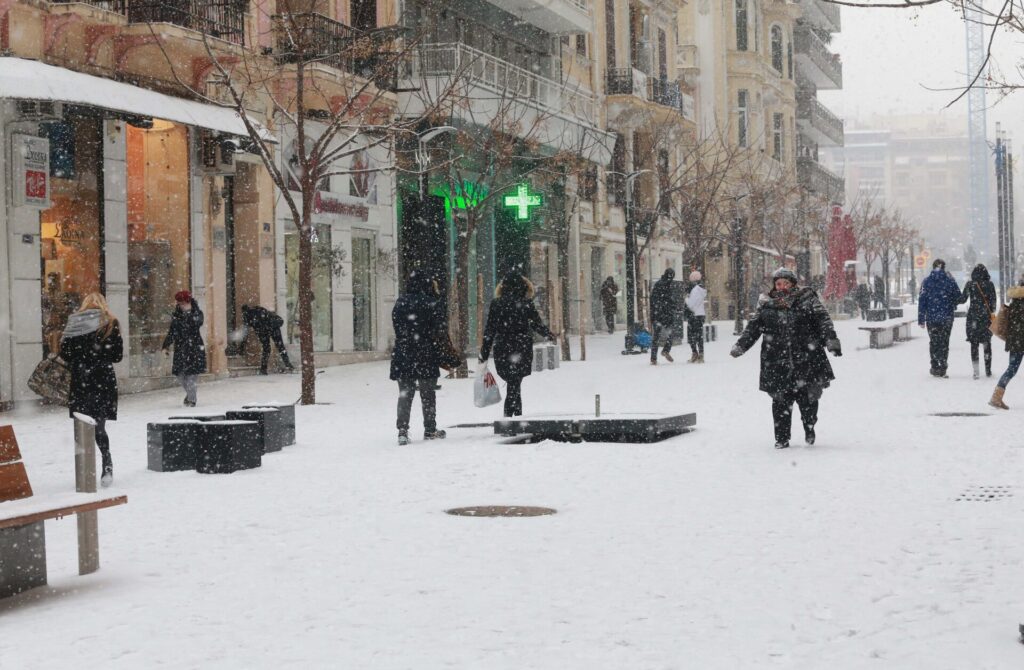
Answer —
982 294
797 330
418 323
90 345
189 350
1014 341
511 322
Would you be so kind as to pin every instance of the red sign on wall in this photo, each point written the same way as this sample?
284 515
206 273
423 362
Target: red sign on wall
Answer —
31 171
35 184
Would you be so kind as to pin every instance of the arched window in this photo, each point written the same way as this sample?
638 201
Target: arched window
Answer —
741 25
777 48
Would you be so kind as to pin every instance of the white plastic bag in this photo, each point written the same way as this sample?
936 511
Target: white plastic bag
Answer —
485 388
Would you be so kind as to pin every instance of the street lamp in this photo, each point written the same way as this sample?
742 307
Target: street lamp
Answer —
630 256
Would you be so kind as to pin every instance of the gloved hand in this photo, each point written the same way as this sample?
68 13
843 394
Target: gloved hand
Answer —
736 351
835 347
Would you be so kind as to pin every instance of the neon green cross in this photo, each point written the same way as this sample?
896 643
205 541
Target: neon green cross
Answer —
522 201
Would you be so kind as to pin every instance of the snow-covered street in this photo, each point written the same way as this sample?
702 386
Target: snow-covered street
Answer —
708 550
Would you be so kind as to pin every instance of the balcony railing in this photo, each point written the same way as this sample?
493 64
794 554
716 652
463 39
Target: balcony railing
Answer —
620 81
116 6
819 180
806 42
309 36
223 19
444 60
823 13
663 92
821 118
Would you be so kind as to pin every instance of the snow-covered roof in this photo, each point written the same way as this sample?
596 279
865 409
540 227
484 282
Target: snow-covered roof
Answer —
31 80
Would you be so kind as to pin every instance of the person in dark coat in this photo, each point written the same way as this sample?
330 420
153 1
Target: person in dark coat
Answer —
880 293
797 331
982 294
609 302
189 351
935 308
663 314
511 321
862 295
90 345
267 326
1014 341
418 322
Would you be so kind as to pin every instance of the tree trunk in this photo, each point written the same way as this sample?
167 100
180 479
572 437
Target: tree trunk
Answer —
305 302
563 282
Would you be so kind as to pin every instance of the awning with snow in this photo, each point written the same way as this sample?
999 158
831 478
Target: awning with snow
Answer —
31 80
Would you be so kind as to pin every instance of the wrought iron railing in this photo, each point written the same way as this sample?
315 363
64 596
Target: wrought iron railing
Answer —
806 41
620 81
313 37
116 6
818 179
223 19
664 92
820 117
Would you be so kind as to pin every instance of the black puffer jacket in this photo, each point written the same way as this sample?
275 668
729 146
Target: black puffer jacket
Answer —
418 321
663 302
261 320
90 358
795 327
189 350
1015 325
511 322
982 294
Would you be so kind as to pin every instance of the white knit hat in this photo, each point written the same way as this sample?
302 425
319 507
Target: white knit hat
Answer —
695 276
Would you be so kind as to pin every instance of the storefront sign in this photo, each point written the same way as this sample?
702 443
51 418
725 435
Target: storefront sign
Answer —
323 204
31 171
522 201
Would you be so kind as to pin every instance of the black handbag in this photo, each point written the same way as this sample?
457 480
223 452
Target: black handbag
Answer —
52 380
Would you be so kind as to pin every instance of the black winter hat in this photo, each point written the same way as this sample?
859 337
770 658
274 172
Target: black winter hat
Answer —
785 273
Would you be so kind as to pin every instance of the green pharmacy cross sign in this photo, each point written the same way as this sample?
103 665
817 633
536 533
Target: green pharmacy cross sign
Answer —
522 201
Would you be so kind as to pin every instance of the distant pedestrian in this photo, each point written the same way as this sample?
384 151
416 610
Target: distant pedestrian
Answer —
862 295
982 294
189 350
1014 341
511 321
936 306
695 315
663 314
609 302
267 326
419 325
880 293
90 345
796 331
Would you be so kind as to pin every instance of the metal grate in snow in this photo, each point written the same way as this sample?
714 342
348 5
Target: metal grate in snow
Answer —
985 493
500 510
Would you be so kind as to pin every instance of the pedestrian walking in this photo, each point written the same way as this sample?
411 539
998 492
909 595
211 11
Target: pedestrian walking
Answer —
936 305
1014 341
695 315
511 321
880 293
189 351
663 314
609 302
419 325
981 293
862 296
90 345
267 326
796 331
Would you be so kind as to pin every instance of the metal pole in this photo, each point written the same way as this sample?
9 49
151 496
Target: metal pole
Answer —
85 482
738 272
583 308
1001 230
630 276
1011 256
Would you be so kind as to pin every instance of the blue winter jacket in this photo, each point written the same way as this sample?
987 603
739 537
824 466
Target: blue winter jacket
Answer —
939 297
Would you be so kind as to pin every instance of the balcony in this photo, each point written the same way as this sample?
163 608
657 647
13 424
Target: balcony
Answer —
822 15
223 19
115 6
817 179
815 62
307 36
551 16
818 122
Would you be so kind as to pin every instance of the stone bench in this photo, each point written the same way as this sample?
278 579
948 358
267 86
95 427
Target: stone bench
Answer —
886 333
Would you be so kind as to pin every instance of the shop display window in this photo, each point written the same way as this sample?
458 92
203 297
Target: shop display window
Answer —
322 312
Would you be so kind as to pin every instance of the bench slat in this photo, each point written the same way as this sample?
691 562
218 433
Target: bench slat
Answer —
14 482
53 507
9 452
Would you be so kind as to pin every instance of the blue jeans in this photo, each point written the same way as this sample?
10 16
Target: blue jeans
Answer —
1011 369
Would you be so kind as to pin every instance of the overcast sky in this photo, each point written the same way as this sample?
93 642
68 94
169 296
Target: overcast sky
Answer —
890 56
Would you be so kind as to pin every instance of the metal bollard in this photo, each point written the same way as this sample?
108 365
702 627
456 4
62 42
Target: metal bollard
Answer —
597 406
85 482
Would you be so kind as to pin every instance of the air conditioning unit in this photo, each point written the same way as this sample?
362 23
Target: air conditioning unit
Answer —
40 110
216 154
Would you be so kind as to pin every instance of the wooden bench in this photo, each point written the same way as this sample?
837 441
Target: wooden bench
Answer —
22 538
886 333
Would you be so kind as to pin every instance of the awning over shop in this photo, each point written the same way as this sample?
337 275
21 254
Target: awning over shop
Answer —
31 80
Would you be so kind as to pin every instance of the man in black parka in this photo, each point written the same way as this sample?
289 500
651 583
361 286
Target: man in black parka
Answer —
663 313
267 326
797 331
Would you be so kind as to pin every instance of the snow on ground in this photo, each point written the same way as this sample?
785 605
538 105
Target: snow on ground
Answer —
709 550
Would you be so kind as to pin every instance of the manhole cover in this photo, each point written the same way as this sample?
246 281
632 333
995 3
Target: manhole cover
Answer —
500 510
985 493
961 414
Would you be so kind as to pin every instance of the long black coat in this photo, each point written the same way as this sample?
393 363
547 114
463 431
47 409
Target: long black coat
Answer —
511 323
90 359
979 318
1015 327
795 329
189 350
418 321
663 302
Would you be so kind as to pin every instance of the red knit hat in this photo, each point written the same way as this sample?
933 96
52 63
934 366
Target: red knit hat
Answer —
182 296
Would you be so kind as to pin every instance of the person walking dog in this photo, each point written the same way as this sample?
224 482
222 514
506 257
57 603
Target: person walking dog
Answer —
189 351
935 309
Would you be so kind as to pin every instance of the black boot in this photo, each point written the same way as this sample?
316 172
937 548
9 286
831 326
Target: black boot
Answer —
107 478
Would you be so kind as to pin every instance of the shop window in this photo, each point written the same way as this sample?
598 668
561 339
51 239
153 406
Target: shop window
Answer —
159 238
322 274
71 230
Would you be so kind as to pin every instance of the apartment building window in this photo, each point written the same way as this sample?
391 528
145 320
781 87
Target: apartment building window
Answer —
581 44
741 122
777 137
741 25
664 200
777 48
616 184
789 58
588 185
364 14
609 34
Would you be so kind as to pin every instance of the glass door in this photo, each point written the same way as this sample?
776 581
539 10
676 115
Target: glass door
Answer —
322 312
362 293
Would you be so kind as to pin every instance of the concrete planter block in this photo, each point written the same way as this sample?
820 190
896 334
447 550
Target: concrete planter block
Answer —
171 445
227 446
287 418
269 420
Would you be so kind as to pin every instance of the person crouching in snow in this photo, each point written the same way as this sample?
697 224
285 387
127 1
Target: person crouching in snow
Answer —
189 350
797 330
1014 341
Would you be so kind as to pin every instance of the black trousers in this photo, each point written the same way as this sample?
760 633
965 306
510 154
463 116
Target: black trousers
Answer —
609 319
938 344
988 354
102 439
782 410
265 340
428 398
661 331
514 396
695 334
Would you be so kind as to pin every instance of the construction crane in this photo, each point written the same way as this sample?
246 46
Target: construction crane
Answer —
980 153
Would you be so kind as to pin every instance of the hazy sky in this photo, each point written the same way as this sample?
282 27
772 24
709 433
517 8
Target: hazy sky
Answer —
890 56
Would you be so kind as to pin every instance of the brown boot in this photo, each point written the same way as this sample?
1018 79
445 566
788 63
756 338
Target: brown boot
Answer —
997 398
700 359
693 358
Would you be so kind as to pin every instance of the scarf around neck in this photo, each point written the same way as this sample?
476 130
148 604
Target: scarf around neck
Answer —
82 323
